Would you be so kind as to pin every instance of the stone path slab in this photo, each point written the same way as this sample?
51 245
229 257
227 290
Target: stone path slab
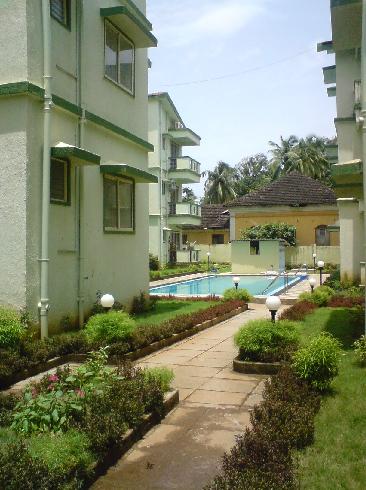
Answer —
184 452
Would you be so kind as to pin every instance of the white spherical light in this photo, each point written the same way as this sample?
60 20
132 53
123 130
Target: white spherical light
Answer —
236 280
273 303
208 254
312 282
107 301
320 264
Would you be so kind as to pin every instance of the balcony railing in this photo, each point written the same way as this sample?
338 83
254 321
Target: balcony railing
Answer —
184 209
184 163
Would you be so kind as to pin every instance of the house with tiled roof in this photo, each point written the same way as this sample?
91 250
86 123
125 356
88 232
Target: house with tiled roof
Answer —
305 203
214 227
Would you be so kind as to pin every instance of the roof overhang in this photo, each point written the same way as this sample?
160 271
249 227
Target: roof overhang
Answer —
78 156
353 167
124 170
134 25
346 24
325 46
330 74
184 136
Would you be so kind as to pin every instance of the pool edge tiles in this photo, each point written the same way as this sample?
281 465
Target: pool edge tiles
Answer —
168 289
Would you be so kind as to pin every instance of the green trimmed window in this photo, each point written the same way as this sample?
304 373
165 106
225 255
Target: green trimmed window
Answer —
60 10
119 58
60 181
118 204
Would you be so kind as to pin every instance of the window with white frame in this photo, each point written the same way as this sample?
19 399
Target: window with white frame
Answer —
119 58
60 181
118 204
60 10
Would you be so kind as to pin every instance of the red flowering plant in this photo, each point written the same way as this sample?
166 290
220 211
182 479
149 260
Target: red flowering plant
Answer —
59 398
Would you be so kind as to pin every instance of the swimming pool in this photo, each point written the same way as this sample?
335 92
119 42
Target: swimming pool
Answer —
216 285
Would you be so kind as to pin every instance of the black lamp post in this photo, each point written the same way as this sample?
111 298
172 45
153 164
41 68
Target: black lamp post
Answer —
314 260
208 261
321 267
236 281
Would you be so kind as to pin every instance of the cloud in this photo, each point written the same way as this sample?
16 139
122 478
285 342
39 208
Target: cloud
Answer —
205 20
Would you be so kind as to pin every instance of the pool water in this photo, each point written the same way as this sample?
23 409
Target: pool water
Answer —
205 286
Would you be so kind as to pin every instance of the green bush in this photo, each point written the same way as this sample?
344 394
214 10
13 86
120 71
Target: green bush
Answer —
320 296
143 303
162 375
318 362
154 264
234 294
271 231
114 326
11 328
360 349
262 340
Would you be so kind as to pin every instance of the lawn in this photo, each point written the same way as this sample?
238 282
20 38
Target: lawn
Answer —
186 269
337 459
168 309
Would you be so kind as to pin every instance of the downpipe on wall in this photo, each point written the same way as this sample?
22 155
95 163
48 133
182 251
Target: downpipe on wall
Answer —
363 78
47 109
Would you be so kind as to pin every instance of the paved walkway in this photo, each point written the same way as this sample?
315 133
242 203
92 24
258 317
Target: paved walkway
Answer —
185 451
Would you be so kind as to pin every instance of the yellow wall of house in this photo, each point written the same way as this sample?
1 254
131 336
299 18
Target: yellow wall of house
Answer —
305 222
204 237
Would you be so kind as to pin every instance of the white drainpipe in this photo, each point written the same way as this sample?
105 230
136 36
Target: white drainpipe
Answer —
363 78
47 107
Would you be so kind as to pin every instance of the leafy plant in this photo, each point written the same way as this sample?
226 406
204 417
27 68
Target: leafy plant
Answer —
106 328
272 231
321 296
11 328
154 264
318 362
298 311
162 375
262 340
360 349
234 294
143 303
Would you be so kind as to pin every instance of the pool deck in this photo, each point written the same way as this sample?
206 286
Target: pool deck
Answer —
287 298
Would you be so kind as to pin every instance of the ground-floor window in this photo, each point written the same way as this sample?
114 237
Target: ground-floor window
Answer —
118 204
218 239
254 247
322 237
60 182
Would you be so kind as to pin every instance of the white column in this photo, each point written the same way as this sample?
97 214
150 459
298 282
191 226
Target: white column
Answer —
351 238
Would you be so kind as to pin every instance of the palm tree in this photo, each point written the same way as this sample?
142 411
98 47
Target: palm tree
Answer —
304 155
219 186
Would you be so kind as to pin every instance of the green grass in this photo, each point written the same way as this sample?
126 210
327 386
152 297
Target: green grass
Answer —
337 459
167 309
184 269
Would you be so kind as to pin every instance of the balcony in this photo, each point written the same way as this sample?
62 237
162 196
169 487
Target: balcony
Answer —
330 74
184 213
331 152
184 170
183 136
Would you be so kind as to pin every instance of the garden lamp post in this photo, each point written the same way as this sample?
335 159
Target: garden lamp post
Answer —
314 260
107 301
208 261
273 303
312 282
236 281
321 267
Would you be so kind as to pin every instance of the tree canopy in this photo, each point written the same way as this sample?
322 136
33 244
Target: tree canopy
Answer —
220 183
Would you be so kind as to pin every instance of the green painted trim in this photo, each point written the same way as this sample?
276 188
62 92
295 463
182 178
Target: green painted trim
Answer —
27 88
325 46
181 170
66 203
331 67
166 96
123 10
332 91
347 169
73 151
340 3
65 104
138 12
116 129
117 232
345 119
124 170
333 145
351 184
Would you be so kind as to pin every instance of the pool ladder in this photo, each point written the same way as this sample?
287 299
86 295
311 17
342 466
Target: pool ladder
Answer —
285 275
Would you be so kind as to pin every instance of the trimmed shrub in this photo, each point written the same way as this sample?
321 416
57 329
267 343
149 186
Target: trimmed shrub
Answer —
110 327
143 303
342 301
11 328
360 350
321 296
264 341
318 362
154 264
234 294
298 311
162 375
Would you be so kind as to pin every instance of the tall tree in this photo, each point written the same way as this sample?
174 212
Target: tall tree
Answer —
253 173
188 195
219 186
305 155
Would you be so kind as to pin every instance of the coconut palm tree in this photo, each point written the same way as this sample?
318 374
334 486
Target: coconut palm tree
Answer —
219 186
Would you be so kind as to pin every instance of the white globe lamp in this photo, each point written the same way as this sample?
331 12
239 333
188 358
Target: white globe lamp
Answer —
273 303
236 281
107 301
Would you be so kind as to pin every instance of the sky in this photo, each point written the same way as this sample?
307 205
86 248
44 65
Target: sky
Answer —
242 72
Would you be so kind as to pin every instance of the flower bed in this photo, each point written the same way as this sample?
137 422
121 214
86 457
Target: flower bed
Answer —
34 356
62 431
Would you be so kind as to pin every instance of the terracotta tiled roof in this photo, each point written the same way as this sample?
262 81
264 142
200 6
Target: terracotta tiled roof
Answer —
293 189
214 216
